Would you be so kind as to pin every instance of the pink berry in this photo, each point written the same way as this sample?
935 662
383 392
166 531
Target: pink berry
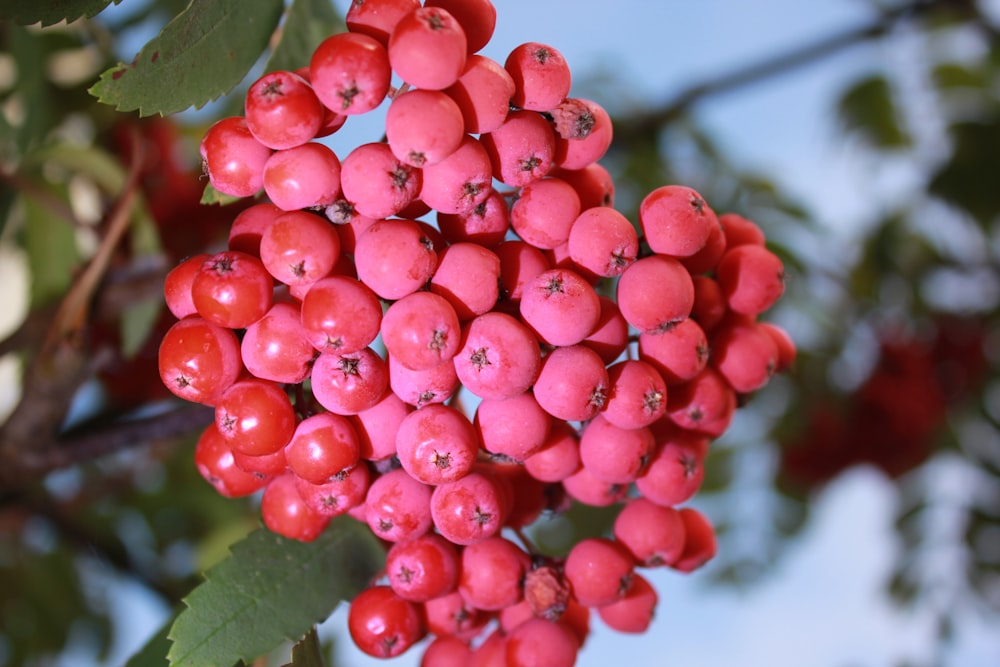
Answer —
482 93
350 73
322 446
678 354
468 276
469 509
376 182
306 176
486 224
599 570
491 573
610 336
522 149
249 226
499 357
398 506
541 76
460 182
477 17
436 444
572 383
513 427
233 158
583 133
544 212
377 18
634 612
428 48
299 248
282 110
377 426
541 642
704 404
676 220
652 533
348 383
655 293
614 454
637 394
340 314
560 306
752 278
423 568
343 492
675 471
394 258
603 241
276 348
421 330
423 127
425 386
744 354
559 456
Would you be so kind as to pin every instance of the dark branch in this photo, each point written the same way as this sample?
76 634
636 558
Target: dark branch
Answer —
640 126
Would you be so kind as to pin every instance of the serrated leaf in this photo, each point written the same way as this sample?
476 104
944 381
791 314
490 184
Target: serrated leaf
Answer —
307 24
29 12
868 109
307 652
137 323
154 652
50 243
272 589
203 53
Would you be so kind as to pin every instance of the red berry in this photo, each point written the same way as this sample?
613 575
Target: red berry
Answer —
282 110
255 416
323 445
350 73
199 360
436 444
286 513
232 289
382 624
542 77
428 48
233 159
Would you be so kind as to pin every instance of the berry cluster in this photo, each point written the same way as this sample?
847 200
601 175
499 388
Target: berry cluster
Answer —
452 330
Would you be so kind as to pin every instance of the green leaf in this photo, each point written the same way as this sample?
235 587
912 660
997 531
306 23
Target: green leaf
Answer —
203 53
955 75
307 652
272 589
154 652
29 12
968 179
307 23
31 90
213 196
137 323
868 109
50 243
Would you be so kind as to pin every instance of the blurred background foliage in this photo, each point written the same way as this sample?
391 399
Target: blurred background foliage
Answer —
897 323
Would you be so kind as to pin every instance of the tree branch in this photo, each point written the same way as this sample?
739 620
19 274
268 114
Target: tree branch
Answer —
639 127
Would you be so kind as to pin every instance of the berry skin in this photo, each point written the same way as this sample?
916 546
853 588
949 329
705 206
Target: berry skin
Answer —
599 571
676 220
378 19
786 346
233 159
422 387
284 512
346 384
542 77
446 651
613 454
520 262
199 360
282 110
739 230
436 444
678 354
255 416
485 225
572 383
583 487
513 427
655 293
541 643
428 48
177 286
377 183
214 460
423 127
276 348
603 241
423 568
299 248
450 616
491 573
377 426
560 306
394 258
398 506
610 336
637 395
232 289
700 543
704 404
382 624
499 357
521 150
478 19
544 212
306 176
343 492
460 182
634 612
483 94
249 225
652 533
468 276
421 330
340 315
468 509
322 446
559 456
593 183
752 278
675 471
744 354
583 133
350 73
